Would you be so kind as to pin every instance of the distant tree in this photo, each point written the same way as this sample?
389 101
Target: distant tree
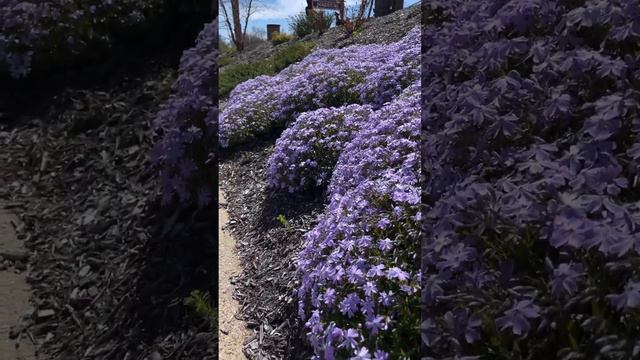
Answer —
354 16
236 15
259 32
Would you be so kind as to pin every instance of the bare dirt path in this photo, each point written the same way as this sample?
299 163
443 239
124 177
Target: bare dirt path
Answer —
14 291
231 332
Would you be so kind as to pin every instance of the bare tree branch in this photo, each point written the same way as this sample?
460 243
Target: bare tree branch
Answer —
237 20
246 19
362 8
228 22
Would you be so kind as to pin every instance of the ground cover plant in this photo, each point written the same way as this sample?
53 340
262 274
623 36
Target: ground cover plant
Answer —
326 78
227 53
304 24
307 152
532 213
351 125
187 125
360 265
56 31
280 38
234 74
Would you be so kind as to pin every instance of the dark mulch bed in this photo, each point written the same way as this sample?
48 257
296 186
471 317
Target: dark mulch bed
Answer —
109 270
268 249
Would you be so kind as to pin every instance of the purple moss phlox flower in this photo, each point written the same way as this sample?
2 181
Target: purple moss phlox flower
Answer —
628 299
517 318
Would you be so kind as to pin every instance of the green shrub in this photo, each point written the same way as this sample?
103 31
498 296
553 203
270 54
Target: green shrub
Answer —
234 74
291 54
303 24
279 38
225 59
226 55
300 25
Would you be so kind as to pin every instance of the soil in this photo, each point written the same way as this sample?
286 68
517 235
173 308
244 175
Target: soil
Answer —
14 302
232 332
14 290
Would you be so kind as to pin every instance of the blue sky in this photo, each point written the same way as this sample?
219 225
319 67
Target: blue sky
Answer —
278 12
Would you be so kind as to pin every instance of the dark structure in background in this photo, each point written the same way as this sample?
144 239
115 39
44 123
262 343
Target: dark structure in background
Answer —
272 29
386 7
309 9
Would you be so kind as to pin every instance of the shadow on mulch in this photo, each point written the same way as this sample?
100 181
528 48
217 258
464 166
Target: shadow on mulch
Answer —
106 260
182 257
288 205
103 67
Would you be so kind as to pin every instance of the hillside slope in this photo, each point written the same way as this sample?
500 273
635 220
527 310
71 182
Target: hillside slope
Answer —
381 30
270 227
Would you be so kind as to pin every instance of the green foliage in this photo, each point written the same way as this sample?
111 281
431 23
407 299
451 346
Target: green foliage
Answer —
225 46
227 54
300 25
303 24
280 38
283 221
201 306
291 54
234 74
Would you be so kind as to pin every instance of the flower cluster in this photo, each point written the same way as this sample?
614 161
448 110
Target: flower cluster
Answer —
386 142
352 122
42 30
187 125
360 264
308 150
531 127
359 74
398 70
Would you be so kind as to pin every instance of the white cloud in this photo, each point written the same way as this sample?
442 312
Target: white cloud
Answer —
280 9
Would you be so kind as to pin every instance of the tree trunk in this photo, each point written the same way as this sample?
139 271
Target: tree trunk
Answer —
237 27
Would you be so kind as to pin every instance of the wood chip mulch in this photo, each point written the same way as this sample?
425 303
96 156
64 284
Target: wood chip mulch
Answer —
108 267
268 248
